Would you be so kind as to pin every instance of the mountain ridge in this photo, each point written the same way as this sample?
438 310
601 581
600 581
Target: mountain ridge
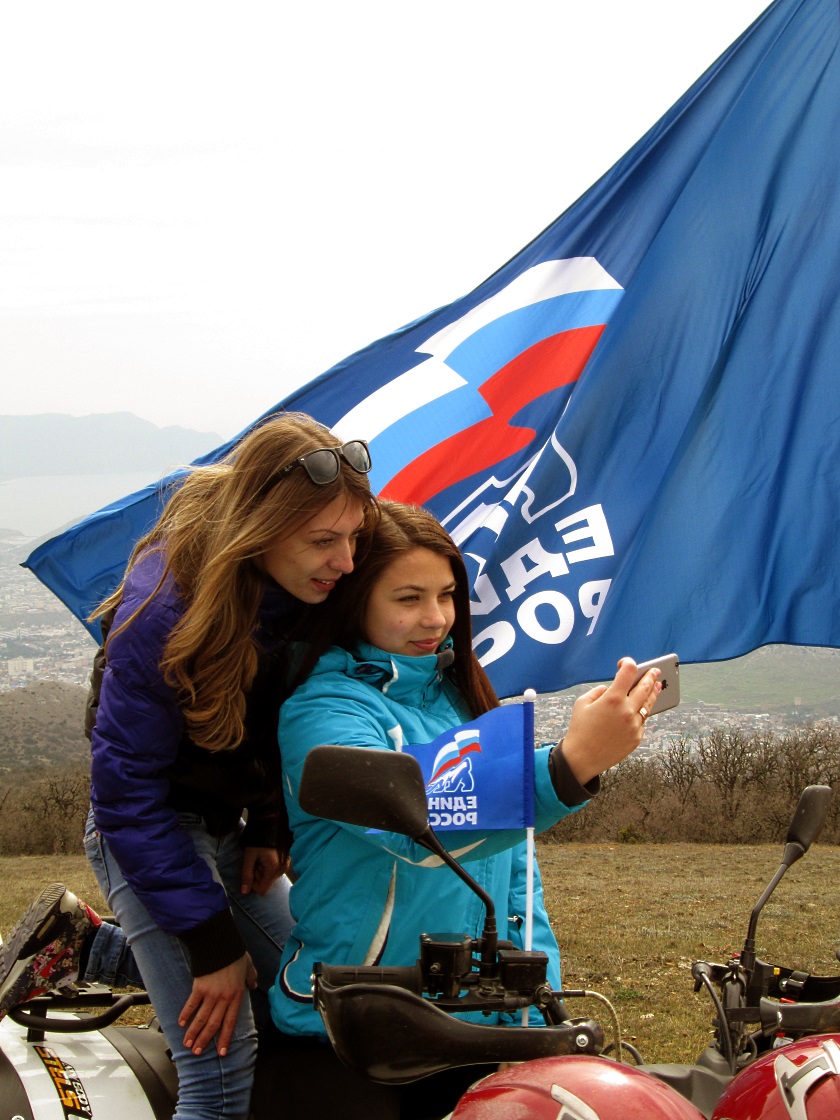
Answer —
101 443
56 469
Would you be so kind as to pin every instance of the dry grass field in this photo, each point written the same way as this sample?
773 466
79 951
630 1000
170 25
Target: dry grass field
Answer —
22 877
630 920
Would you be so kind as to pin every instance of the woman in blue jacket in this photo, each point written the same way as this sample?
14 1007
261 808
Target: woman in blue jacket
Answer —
402 672
185 744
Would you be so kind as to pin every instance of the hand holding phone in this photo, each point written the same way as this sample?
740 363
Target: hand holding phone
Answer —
669 667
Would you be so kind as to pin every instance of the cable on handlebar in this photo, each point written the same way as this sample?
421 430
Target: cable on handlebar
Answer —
629 1047
617 1044
723 1026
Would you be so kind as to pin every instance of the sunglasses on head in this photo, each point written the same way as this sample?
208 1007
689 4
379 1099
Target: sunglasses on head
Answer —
323 465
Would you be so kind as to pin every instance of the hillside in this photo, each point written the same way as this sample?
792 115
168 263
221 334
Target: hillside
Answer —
775 679
117 442
55 469
42 725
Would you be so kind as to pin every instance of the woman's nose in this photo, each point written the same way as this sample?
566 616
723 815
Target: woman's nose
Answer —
435 617
342 558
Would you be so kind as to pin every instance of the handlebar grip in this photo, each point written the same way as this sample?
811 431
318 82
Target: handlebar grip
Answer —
813 1018
339 976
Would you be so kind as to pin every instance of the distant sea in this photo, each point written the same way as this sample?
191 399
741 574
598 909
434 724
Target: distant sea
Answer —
40 507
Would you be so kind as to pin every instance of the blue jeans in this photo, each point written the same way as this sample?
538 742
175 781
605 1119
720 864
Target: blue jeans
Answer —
209 1087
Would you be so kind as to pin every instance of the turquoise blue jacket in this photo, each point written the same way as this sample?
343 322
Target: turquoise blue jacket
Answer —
363 898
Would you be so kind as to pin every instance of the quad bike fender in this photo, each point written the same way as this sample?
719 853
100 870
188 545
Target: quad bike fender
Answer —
122 1072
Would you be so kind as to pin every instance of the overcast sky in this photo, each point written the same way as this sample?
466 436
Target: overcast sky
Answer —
205 204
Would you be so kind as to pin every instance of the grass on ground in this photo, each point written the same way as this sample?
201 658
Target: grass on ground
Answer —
630 920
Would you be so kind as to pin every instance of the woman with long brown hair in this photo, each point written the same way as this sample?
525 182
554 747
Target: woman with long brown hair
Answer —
184 746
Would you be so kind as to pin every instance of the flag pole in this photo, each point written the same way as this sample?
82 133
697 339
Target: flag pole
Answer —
530 697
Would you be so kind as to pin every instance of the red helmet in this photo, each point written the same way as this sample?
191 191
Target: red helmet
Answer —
800 1081
577 1087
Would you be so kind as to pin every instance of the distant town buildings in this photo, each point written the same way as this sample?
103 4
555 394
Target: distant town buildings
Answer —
20 667
39 638
688 721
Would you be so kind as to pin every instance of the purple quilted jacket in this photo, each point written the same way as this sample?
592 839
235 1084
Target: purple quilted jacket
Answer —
146 772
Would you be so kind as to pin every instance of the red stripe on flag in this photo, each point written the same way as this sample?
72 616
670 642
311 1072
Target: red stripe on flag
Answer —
471 749
555 361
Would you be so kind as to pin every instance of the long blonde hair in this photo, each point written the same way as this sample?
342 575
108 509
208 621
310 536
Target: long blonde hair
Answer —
211 532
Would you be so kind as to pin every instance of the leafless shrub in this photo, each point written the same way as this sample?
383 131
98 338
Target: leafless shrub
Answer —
726 786
45 813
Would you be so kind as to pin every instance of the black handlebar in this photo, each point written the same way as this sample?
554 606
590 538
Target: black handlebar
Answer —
393 1036
338 976
28 1014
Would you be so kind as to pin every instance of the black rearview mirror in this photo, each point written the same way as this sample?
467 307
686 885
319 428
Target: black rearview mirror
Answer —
808 821
367 787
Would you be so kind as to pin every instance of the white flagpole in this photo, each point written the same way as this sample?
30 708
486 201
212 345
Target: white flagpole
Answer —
529 891
530 697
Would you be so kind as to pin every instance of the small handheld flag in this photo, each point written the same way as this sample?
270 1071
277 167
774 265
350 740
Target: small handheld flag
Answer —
481 775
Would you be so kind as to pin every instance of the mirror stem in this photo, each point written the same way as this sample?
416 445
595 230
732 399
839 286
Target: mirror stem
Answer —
489 937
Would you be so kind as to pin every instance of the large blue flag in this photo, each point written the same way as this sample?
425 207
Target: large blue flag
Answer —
481 775
631 429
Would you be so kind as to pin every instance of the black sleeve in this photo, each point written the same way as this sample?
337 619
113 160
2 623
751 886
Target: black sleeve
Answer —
566 786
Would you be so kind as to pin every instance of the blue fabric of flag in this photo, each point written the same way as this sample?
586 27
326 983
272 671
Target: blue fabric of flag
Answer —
632 429
480 776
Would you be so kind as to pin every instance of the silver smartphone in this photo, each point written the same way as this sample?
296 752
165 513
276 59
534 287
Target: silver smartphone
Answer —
669 666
